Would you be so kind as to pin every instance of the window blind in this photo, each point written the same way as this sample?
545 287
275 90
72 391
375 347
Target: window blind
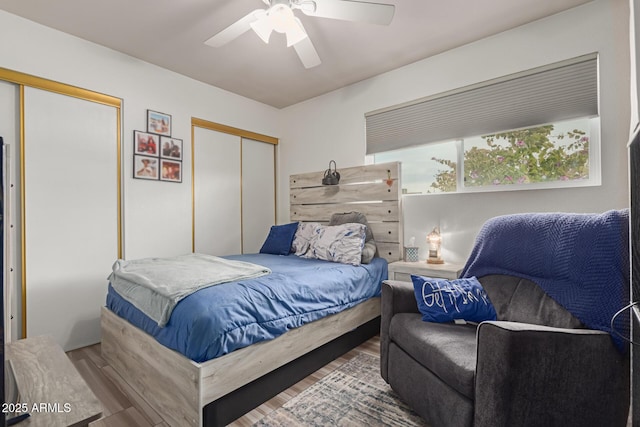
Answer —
559 91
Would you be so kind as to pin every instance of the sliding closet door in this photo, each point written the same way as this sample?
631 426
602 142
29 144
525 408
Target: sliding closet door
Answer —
217 226
258 193
71 214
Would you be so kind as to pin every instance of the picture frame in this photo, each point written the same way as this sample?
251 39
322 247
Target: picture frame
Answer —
146 144
158 123
170 148
170 170
145 167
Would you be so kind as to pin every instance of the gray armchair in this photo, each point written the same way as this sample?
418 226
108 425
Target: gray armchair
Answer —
536 366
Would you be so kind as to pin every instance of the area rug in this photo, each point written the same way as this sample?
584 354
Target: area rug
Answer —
353 395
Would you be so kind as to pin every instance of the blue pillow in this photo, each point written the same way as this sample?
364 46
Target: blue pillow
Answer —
441 300
279 239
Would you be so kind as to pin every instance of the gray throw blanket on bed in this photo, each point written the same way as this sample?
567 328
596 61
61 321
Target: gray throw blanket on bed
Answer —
156 285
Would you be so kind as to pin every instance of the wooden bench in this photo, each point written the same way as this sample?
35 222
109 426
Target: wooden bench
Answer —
50 386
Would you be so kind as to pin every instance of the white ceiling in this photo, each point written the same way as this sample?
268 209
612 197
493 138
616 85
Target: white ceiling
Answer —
170 33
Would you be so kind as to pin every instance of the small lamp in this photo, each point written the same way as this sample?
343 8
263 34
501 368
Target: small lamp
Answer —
434 239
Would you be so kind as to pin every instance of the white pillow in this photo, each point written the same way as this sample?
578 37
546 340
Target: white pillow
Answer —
338 243
304 234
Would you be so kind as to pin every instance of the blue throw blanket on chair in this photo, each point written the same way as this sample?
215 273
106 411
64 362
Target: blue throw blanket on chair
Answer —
579 260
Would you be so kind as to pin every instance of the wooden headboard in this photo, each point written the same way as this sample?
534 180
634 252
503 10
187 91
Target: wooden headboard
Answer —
374 190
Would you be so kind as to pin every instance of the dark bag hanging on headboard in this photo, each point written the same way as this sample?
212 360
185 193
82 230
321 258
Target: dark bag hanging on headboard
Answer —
331 176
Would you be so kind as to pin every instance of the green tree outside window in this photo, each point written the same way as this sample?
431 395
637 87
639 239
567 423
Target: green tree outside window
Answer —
532 155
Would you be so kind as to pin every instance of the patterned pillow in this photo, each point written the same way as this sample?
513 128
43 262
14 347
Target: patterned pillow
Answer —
304 234
370 249
338 243
441 300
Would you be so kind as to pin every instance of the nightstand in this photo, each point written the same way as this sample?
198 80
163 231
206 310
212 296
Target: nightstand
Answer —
402 270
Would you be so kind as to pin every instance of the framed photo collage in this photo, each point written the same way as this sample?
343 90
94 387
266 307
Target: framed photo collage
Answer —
156 155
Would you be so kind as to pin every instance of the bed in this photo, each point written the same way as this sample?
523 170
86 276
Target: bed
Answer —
188 389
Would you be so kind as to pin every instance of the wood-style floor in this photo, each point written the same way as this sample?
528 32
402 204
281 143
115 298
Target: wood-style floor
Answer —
123 407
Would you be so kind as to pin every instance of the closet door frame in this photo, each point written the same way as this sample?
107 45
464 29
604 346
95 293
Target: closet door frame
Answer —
23 80
241 134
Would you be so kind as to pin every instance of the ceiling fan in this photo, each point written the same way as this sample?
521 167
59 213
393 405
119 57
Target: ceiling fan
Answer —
279 17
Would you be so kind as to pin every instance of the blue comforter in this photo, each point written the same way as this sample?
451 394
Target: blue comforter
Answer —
219 319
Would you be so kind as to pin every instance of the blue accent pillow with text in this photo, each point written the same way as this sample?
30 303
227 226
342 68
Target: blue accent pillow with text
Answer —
441 300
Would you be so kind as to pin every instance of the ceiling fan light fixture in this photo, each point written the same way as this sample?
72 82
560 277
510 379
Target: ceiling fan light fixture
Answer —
284 21
295 33
281 17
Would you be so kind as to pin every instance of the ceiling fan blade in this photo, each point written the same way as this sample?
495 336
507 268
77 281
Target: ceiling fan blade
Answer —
307 53
362 11
235 30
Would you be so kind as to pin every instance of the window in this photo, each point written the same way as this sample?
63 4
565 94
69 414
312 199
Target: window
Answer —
561 154
538 128
553 153
425 169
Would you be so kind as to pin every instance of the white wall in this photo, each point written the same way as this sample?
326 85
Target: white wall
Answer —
333 127
157 215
